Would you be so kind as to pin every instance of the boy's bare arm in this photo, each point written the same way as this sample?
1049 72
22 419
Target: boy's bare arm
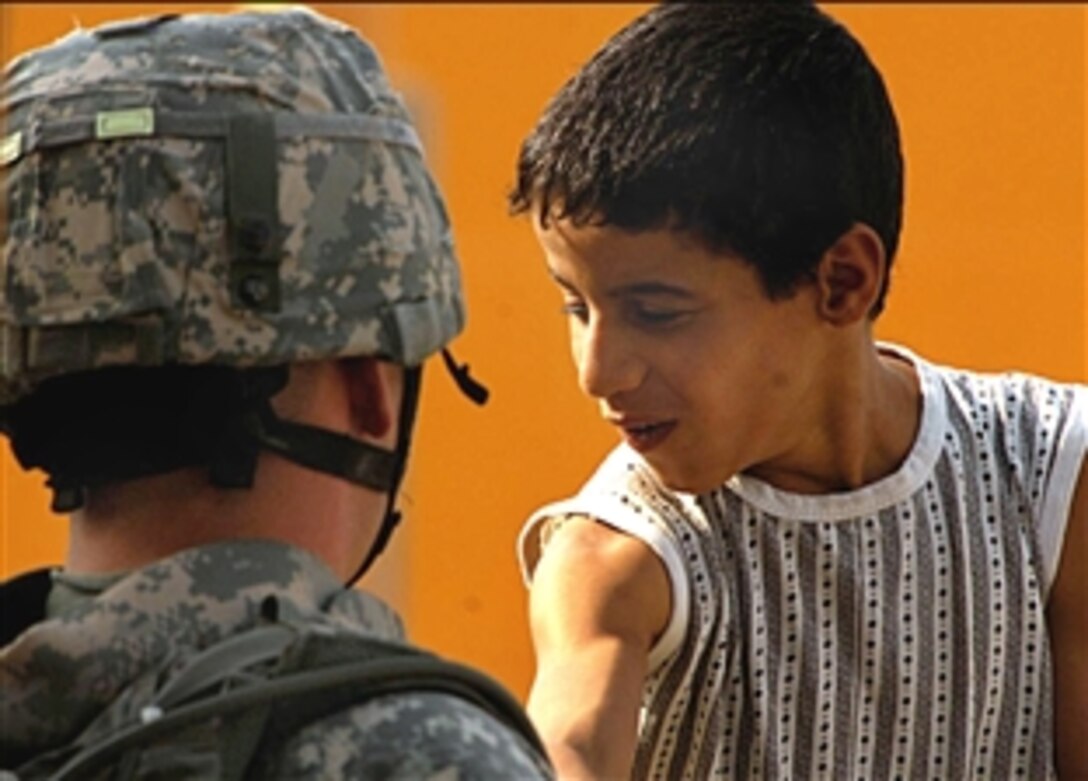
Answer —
1067 614
599 599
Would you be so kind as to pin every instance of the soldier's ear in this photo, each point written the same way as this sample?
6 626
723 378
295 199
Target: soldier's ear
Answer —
850 275
368 396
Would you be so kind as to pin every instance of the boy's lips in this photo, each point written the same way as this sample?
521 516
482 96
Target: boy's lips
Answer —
643 435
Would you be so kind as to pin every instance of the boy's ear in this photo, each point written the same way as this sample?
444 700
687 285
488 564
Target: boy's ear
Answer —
850 275
371 410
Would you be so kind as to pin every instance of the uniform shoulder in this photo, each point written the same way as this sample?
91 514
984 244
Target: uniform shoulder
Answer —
420 735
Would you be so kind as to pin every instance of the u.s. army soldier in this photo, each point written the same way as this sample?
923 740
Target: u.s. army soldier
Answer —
224 263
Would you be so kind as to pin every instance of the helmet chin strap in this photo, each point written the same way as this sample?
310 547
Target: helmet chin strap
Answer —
339 455
413 381
358 462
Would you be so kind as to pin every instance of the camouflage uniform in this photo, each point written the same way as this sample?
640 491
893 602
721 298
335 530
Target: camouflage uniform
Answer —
238 190
76 676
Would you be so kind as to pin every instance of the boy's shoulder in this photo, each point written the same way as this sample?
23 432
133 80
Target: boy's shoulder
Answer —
621 484
623 491
1011 384
1019 399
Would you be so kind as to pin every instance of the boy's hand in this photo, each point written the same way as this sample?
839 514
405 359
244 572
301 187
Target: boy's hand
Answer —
1067 619
598 601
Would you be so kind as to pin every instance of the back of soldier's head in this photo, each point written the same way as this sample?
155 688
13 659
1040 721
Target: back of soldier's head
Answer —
195 203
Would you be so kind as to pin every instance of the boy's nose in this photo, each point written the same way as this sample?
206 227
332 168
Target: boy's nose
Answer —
606 363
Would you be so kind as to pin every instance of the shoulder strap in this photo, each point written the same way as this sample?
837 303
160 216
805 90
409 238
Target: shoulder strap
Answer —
327 683
344 684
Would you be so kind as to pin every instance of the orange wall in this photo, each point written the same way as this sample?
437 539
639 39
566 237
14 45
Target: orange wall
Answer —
992 272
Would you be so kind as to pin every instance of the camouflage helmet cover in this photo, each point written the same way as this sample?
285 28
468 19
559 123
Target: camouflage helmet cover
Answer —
240 189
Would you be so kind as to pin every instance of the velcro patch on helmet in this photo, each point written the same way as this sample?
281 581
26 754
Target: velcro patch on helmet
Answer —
124 123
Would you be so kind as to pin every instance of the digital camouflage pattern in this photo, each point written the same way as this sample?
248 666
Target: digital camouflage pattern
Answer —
140 229
80 675
117 246
407 738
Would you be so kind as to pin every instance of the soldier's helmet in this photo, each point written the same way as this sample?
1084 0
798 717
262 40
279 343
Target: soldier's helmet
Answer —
231 192
235 190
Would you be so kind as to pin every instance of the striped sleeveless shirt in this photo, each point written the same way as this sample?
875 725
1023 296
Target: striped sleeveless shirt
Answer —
894 631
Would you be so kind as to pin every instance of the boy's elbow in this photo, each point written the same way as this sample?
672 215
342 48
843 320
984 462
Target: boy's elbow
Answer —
589 733
581 753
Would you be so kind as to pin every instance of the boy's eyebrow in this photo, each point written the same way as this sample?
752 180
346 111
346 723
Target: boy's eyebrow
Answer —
635 288
560 281
651 289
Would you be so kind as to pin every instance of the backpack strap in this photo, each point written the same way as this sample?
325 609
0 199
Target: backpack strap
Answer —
342 685
316 675
220 662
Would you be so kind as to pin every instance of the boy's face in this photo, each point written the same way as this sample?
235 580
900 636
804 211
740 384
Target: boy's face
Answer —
702 373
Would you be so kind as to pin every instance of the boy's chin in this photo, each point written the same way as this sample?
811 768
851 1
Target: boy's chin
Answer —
677 478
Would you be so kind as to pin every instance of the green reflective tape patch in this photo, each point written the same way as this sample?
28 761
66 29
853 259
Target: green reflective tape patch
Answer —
124 122
11 146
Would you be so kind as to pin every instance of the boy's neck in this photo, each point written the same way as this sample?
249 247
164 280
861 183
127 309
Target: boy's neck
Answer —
863 430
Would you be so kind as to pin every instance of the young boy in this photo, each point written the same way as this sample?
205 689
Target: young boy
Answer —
813 556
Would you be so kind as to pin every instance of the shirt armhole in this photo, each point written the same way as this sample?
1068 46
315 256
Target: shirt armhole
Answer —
663 547
1063 480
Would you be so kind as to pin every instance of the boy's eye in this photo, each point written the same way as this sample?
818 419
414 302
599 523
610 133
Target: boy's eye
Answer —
575 309
651 316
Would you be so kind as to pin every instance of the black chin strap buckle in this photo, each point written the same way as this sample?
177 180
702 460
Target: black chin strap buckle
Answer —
233 462
475 390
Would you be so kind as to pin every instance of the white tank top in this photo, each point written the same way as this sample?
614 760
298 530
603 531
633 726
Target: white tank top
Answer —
894 631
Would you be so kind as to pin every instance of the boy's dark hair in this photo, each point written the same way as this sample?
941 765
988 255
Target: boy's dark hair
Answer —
761 129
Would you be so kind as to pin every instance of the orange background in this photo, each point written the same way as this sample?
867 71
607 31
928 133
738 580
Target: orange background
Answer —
992 271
